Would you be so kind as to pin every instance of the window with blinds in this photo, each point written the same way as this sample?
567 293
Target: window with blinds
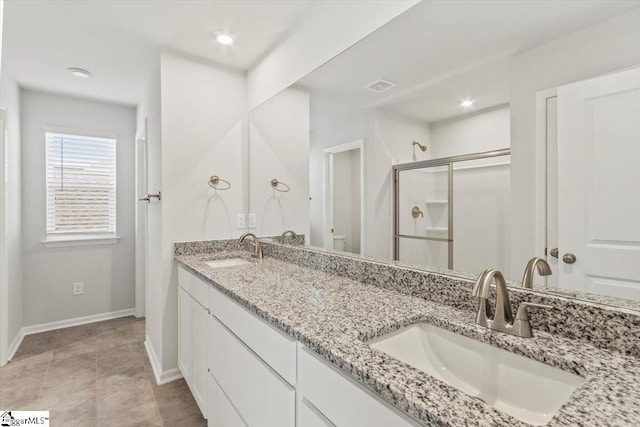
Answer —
81 185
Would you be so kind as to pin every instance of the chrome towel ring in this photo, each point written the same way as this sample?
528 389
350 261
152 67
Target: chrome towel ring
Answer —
215 180
275 184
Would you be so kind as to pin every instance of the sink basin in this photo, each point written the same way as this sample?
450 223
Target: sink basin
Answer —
523 388
229 262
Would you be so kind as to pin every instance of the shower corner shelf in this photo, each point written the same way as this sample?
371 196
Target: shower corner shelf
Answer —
437 229
437 202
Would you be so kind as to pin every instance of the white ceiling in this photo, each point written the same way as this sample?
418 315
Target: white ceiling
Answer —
118 40
441 52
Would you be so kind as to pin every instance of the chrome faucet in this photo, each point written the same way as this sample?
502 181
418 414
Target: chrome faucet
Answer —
543 269
257 247
502 320
284 234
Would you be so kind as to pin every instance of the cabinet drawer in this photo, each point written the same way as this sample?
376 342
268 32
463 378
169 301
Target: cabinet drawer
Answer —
342 400
309 416
194 286
261 397
275 348
222 413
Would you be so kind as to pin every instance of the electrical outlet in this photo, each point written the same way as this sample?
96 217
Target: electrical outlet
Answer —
242 222
78 288
252 220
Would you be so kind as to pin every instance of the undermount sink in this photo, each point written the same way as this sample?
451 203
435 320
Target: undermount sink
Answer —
523 388
229 262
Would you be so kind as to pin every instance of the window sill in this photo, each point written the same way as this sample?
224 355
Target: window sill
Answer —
66 241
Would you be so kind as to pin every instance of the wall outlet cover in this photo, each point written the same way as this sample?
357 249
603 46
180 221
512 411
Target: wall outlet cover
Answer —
252 220
78 288
242 222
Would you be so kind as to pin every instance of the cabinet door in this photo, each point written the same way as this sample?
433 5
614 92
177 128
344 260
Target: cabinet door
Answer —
184 334
310 416
199 354
223 414
261 397
340 399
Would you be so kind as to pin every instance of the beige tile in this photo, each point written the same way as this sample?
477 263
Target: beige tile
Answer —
81 391
139 329
126 401
76 334
119 323
115 337
20 395
63 365
86 345
125 360
74 414
22 380
36 344
97 374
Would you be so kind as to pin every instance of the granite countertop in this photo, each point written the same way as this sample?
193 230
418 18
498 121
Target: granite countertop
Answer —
335 316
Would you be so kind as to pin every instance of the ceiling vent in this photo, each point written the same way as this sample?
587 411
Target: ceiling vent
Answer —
380 85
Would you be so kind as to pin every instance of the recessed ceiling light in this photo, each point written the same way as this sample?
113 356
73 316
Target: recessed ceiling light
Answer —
467 103
225 39
80 72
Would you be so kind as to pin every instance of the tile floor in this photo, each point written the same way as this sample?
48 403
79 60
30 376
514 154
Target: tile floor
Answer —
94 375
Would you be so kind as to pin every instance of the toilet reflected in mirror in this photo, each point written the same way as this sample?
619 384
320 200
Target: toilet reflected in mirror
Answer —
340 224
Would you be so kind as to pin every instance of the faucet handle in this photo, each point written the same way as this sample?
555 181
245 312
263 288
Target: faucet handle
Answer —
523 314
521 324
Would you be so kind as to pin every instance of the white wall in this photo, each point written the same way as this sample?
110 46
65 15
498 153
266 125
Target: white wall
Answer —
106 270
394 135
388 138
603 48
474 133
358 126
200 131
325 31
279 135
11 251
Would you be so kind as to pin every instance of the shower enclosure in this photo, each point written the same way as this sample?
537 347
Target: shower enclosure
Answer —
453 212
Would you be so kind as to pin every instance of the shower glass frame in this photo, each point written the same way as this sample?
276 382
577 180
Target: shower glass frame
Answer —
444 161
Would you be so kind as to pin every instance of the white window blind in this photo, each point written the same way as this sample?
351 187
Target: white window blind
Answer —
81 185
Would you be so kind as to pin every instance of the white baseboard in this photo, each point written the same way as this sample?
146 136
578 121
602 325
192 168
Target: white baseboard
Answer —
162 377
15 344
61 324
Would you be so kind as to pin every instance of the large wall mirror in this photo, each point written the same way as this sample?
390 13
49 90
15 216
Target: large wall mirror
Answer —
482 152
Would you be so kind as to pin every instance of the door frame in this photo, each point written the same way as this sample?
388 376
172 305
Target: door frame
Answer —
542 99
327 191
140 224
4 263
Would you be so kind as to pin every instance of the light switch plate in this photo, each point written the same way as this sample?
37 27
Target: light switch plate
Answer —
78 288
242 222
252 220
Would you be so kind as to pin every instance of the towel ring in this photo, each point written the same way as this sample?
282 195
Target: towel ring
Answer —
275 183
215 180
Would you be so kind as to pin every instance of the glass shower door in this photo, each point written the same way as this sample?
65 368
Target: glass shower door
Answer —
423 216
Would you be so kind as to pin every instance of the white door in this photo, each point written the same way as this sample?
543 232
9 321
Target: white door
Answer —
141 225
552 190
599 185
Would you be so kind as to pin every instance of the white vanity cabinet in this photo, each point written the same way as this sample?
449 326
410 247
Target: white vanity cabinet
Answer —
192 335
252 364
329 398
257 376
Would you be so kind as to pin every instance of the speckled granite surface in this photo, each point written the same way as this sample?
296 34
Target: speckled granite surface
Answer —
334 316
594 322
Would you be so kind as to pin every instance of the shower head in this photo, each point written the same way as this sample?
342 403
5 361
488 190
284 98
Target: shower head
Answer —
422 147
